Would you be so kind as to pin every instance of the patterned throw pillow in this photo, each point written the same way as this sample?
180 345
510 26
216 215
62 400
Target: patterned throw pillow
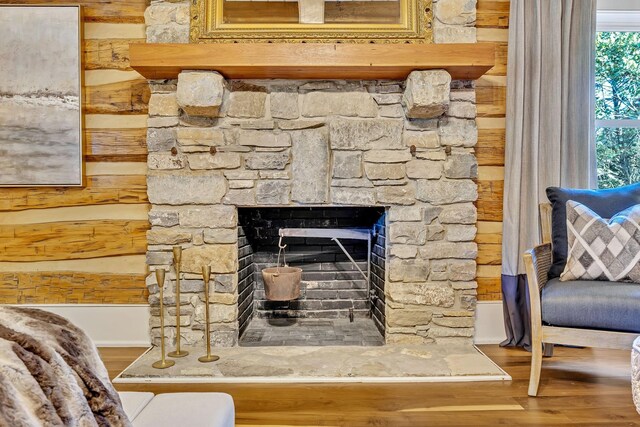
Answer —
601 249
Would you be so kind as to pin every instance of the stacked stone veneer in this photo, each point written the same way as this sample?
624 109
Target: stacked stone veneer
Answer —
215 145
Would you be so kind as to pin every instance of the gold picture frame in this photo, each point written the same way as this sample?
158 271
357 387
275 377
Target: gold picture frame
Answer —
208 26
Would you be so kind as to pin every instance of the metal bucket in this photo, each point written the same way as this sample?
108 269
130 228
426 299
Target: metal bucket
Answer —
282 283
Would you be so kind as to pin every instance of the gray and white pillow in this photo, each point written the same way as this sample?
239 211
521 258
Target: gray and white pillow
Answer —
601 249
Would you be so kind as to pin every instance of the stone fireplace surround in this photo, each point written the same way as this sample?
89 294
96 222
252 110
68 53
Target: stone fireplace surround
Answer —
217 145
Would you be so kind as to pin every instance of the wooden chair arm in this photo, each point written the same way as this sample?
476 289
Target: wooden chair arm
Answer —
537 262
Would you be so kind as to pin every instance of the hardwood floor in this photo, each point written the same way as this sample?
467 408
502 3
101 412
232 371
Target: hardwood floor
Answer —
578 387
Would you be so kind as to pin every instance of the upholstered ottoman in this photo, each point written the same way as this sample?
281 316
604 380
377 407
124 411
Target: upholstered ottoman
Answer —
635 372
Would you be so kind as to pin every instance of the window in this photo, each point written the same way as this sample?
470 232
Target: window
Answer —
618 98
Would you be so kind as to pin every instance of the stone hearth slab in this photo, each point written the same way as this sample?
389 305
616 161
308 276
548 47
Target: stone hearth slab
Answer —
390 363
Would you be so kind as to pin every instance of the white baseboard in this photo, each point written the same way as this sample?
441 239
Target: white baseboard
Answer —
108 325
489 323
120 325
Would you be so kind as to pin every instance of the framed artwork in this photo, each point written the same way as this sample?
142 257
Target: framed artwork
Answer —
40 96
355 21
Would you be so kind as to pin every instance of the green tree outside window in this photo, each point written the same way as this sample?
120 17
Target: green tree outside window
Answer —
618 105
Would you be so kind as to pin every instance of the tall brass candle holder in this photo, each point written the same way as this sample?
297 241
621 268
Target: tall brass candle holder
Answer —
177 259
162 363
206 273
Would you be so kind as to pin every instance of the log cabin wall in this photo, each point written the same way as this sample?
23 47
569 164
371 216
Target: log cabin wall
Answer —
87 245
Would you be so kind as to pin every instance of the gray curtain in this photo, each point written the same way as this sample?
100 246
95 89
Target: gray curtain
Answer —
550 130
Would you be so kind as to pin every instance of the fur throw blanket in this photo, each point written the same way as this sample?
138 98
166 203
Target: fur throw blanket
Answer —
51 374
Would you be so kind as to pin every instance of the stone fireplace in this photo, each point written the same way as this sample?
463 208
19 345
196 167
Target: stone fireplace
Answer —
222 151
229 156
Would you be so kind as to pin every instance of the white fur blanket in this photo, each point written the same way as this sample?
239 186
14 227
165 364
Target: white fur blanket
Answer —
51 374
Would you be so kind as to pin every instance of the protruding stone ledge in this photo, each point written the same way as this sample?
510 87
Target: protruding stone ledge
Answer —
200 93
427 94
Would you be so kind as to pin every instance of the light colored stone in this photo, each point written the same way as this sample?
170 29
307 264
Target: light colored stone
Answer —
387 98
221 258
163 218
461 165
161 139
426 139
408 270
347 164
269 161
410 315
400 195
353 182
444 192
244 104
241 175
267 174
410 233
458 132
168 33
353 196
387 156
214 161
454 322
435 232
163 104
273 192
350 134
403 251
300 124
409 213
427 94
167 236
464 110
443 33
165 161
438 154
424 169
430 293
254 138
462 270
455 12
260 124
378 171
162 122
241 184
442 250
392 111
284 105
244 197
208 137
461 233
165 189
462 213
431 213
465 95
349 104
221 235
310 166
421 125
200 93
161 13
213 216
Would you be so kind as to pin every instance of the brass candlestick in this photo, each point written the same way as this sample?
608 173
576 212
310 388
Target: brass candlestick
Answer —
162 363
177 258
206 273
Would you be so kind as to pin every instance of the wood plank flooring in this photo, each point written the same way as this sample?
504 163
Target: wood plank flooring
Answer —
587 387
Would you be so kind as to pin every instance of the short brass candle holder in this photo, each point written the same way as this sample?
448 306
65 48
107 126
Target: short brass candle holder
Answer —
162 363
206 273
177 259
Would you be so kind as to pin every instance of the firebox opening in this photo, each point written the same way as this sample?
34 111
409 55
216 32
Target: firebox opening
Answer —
337 304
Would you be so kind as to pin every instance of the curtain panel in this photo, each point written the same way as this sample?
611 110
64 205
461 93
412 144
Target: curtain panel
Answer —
549 130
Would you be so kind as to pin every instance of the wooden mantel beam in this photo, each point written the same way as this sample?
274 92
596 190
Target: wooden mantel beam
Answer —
312 60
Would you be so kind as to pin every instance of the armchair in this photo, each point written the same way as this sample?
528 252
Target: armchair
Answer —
543 335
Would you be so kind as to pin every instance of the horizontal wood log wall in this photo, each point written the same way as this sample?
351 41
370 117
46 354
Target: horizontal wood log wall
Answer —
492 26
87 245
